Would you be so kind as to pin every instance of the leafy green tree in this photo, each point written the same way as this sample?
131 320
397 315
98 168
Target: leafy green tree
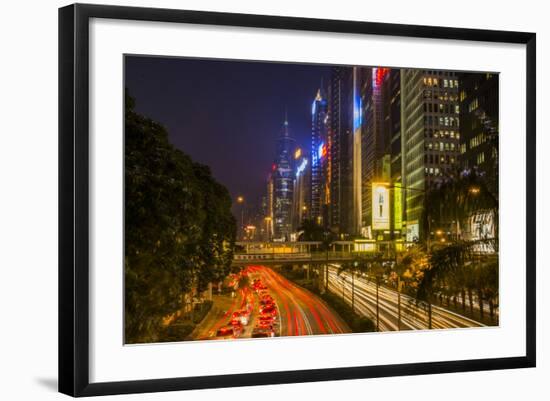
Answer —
178 227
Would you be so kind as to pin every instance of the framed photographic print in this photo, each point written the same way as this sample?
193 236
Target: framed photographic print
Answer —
249 199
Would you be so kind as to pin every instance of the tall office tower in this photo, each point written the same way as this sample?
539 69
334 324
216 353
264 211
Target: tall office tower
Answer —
283 184
319 150
355 152
479 125
340 132
393 116
430 119
302 194
375 142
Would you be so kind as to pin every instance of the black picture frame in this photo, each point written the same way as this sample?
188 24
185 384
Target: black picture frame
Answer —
74 198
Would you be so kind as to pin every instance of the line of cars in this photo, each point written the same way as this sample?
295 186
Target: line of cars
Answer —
267 323
238 320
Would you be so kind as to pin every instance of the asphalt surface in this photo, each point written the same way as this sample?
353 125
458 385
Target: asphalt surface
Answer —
413 317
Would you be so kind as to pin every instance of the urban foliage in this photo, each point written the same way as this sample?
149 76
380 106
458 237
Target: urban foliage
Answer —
179 230
454 198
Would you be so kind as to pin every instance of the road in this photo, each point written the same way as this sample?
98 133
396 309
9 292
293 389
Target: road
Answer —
300 311
412 316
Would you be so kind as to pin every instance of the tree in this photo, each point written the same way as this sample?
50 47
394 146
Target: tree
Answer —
454 198
407 267
311 231
458 269
178 227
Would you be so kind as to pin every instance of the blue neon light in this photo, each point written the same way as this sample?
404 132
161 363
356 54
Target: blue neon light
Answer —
301 167
357 112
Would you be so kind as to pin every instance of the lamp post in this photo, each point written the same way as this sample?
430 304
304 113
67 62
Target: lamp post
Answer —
268 227
240 201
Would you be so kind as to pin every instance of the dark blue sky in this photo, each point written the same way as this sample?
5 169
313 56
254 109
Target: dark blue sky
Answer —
227 114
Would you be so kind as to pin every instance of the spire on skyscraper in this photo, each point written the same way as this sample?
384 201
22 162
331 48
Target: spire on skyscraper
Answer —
285 125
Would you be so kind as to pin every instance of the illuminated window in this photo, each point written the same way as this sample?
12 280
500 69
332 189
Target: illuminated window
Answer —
480 158
445 83
457 109
473 105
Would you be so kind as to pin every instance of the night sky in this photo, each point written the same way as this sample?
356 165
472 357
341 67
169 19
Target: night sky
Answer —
227 114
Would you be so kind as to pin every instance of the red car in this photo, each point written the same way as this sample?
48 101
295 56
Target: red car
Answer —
270 309
226 332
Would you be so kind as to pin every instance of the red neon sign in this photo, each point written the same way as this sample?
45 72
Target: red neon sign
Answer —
379 75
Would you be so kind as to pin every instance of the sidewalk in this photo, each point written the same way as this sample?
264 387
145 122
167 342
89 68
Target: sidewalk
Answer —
217 316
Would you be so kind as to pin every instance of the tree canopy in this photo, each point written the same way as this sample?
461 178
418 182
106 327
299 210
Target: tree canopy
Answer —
179 230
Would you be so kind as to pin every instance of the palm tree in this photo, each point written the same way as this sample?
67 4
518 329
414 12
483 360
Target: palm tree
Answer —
455 197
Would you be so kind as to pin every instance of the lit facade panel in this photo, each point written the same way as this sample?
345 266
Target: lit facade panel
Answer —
319 151
431 132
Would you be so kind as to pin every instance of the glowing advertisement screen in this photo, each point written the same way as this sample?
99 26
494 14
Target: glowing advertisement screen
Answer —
380 207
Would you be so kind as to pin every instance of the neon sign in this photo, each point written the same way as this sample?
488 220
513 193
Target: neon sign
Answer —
301 167
322 151
378 75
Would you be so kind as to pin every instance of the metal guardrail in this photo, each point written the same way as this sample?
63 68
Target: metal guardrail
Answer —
299 256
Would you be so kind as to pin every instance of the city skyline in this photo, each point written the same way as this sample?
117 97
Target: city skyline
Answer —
379 199
343 99
217 110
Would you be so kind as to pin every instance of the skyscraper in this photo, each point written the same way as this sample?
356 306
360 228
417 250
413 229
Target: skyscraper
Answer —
375 139
479 125
319 151
283 184
302 194
430 128
340 132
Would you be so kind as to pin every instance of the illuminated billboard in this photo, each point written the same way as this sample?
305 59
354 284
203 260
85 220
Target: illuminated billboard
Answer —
380 206
397 208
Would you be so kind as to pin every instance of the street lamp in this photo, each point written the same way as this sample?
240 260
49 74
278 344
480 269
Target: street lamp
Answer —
474 190
268 227
240 200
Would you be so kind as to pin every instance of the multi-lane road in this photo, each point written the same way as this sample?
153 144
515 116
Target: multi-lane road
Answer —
299 312
412 316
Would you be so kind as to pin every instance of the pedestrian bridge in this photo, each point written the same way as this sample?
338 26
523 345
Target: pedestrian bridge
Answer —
272 253
295 257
